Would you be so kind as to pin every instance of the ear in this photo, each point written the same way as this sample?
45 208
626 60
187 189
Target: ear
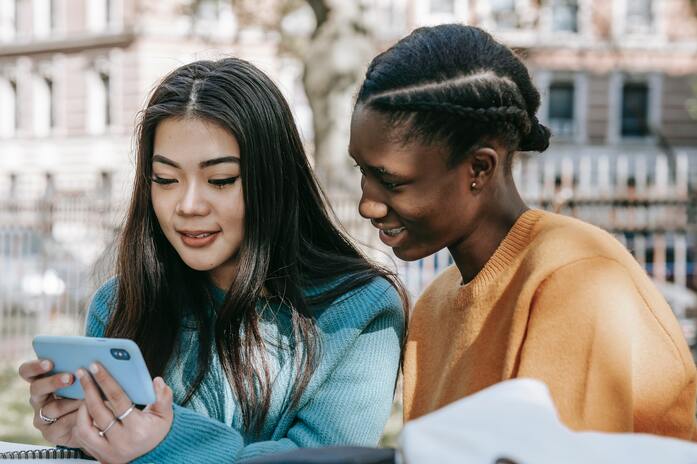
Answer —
482 165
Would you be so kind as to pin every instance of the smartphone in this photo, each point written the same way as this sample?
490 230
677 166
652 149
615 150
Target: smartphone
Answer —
120 356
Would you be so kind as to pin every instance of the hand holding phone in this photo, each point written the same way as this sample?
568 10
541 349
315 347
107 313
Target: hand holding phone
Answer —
120 357
54 417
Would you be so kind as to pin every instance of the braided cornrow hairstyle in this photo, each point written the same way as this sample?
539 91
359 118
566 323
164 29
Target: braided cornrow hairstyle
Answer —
455 84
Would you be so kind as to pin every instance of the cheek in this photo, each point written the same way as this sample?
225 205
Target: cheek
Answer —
437 215
233 214
159 207
419 211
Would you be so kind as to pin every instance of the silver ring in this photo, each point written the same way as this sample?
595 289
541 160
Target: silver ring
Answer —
106 429
125 414
48 420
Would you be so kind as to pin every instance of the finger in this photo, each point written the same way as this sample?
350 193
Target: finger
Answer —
86 433
41 389
163 399
118 400
32 369
61 431
95 406
59 408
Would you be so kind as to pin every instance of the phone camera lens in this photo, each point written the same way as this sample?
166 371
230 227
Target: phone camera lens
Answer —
121 355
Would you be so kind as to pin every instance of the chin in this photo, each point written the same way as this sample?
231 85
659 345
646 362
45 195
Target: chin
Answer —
407 253
199 266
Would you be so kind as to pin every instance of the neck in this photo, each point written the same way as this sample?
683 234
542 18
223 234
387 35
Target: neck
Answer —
473 251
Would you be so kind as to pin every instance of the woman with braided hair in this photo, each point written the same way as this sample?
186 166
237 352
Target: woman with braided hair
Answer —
437 122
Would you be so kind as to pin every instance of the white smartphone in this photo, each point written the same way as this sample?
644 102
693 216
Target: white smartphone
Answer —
120 356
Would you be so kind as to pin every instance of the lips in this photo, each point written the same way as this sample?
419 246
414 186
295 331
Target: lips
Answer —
198 238
394 238
197 234
393 232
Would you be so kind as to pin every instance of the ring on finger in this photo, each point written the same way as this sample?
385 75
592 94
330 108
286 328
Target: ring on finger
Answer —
106 429
126 413
48 420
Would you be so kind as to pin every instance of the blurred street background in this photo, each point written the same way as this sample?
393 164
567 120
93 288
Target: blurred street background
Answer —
618 80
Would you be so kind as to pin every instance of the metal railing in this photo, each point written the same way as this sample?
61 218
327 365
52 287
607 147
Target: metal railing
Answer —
51 248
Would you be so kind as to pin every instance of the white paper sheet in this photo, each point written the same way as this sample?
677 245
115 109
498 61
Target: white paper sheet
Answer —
517 420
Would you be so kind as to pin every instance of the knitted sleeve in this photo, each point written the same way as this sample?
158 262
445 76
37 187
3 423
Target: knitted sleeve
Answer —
594 340
100 309
350 403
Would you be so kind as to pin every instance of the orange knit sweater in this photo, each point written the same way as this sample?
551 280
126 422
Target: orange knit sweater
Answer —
564 302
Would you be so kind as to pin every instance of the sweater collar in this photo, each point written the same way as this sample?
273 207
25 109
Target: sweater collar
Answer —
513 243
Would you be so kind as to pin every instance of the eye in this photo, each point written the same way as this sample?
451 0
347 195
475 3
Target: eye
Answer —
359 168
163 180
389 185
221 183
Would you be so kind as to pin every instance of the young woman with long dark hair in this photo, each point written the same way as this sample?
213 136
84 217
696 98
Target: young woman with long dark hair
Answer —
436 125
270 329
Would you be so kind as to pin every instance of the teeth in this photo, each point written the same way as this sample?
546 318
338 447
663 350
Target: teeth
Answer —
203 235
393 232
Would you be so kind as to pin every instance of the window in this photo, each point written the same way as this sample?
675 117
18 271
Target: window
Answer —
17 106
388 19
43 17
51 104
52 15
442 6
106 91
99 102
8 20
561 108
565 15
13 185
215 18
8 110
503 13
44 107
635 106
208 10
101 14
639 15
106 185
50 185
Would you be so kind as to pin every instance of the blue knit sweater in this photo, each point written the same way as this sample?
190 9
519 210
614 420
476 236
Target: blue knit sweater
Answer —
347 401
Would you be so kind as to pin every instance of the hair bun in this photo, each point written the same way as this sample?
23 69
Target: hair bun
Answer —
537 139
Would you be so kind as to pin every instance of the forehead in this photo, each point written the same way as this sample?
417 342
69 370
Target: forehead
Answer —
375 141
193 139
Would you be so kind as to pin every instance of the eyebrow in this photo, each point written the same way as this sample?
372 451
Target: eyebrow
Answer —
379 171
202 164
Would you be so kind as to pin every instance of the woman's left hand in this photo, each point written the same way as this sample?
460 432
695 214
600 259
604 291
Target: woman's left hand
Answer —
136 433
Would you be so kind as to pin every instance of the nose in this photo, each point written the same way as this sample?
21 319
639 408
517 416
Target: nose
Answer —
193 202
370 206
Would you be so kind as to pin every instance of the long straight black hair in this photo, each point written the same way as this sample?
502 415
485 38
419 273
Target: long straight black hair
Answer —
290 241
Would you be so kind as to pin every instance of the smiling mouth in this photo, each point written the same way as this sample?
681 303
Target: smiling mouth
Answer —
393 232
198 238
198 235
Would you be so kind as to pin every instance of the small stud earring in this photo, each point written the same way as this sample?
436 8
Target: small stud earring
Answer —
473 186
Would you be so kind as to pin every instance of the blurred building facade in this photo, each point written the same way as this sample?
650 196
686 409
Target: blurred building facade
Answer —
75 73
615 74
615 77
